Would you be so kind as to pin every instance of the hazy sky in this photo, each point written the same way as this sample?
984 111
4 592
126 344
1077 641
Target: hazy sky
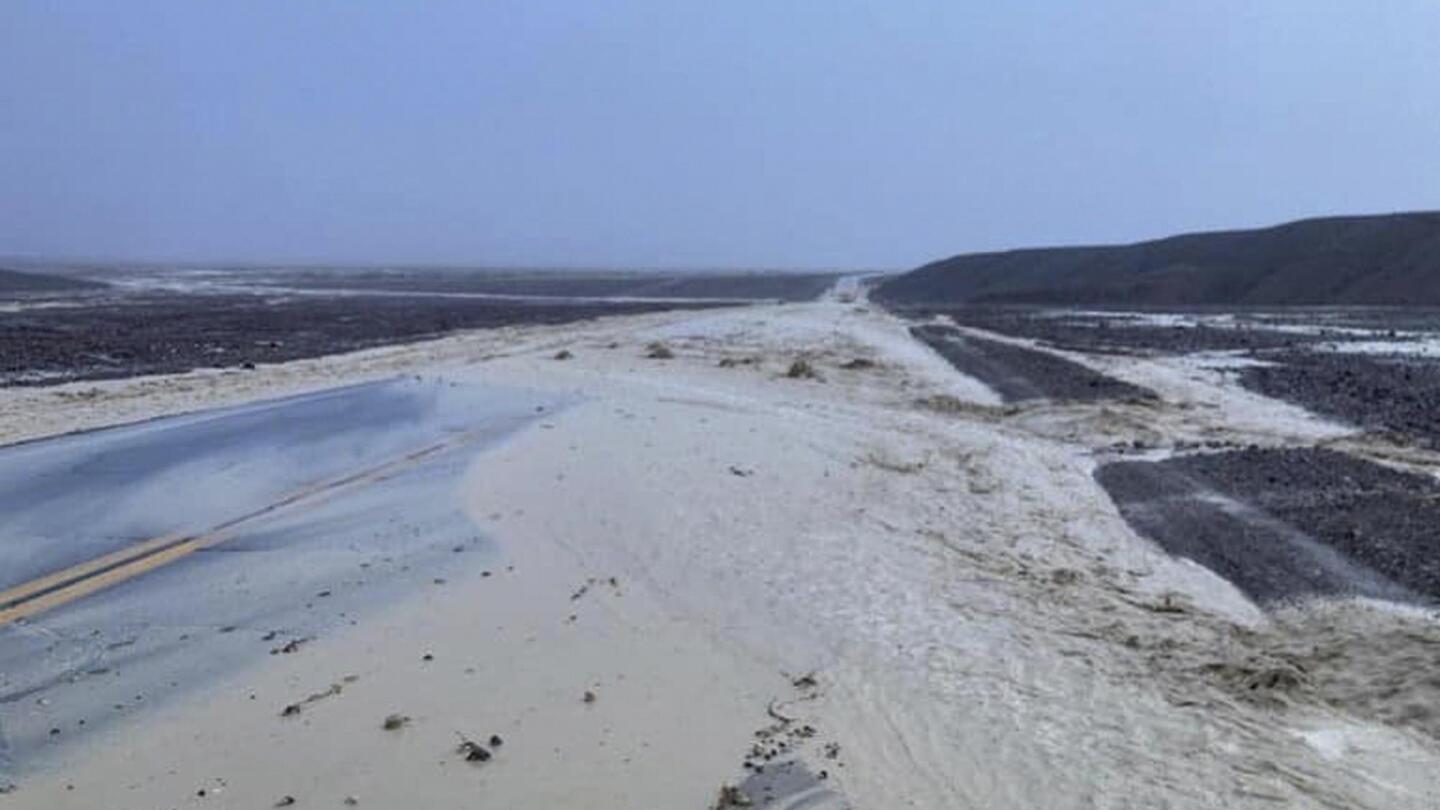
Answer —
729 133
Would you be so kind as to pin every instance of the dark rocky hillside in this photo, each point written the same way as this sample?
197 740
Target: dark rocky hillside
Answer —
1391 259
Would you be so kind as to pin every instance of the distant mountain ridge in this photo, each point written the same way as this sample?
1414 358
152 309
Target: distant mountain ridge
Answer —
14 281
1387 259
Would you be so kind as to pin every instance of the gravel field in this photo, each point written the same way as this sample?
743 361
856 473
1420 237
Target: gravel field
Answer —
160 334
1287 523
1019 374
1393 394
1091 332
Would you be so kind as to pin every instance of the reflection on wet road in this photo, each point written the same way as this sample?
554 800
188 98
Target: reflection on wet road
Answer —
139 560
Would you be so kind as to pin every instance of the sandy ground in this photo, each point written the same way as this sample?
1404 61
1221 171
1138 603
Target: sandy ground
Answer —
982 627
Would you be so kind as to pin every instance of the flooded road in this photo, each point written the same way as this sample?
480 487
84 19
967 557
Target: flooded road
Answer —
140 560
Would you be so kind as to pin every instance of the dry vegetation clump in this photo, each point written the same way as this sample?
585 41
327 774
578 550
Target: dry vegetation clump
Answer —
802 369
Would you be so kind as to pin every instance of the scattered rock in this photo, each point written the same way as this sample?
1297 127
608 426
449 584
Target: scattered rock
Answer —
741 472
858 364
658 351
472 751
495 741
291 710
351 801
563 354
394 722
427 657
285 801
588 697
806 681
293 645
731 796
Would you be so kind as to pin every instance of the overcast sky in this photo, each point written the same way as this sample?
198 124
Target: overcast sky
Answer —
667 133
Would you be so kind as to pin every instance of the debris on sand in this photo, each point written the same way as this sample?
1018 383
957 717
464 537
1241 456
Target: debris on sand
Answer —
858 364
293 645
806 681
495 741
731 796
285 801
802 370
733 362
944 403
741 472
351 801
892 465
588 697
294 708
658 351
394 722
1264 682
471 750
563 354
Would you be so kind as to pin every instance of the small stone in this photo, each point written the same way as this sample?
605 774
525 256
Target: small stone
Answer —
589 696
473 751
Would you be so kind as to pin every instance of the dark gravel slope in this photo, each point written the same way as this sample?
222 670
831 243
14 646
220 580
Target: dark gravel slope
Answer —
1400 395
1282 523
1017 373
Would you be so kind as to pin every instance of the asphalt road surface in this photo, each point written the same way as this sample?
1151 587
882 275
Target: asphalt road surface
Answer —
138 561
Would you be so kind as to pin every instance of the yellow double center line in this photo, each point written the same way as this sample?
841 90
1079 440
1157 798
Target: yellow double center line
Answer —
83 579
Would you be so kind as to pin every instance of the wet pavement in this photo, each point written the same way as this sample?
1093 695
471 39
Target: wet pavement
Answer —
300 513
